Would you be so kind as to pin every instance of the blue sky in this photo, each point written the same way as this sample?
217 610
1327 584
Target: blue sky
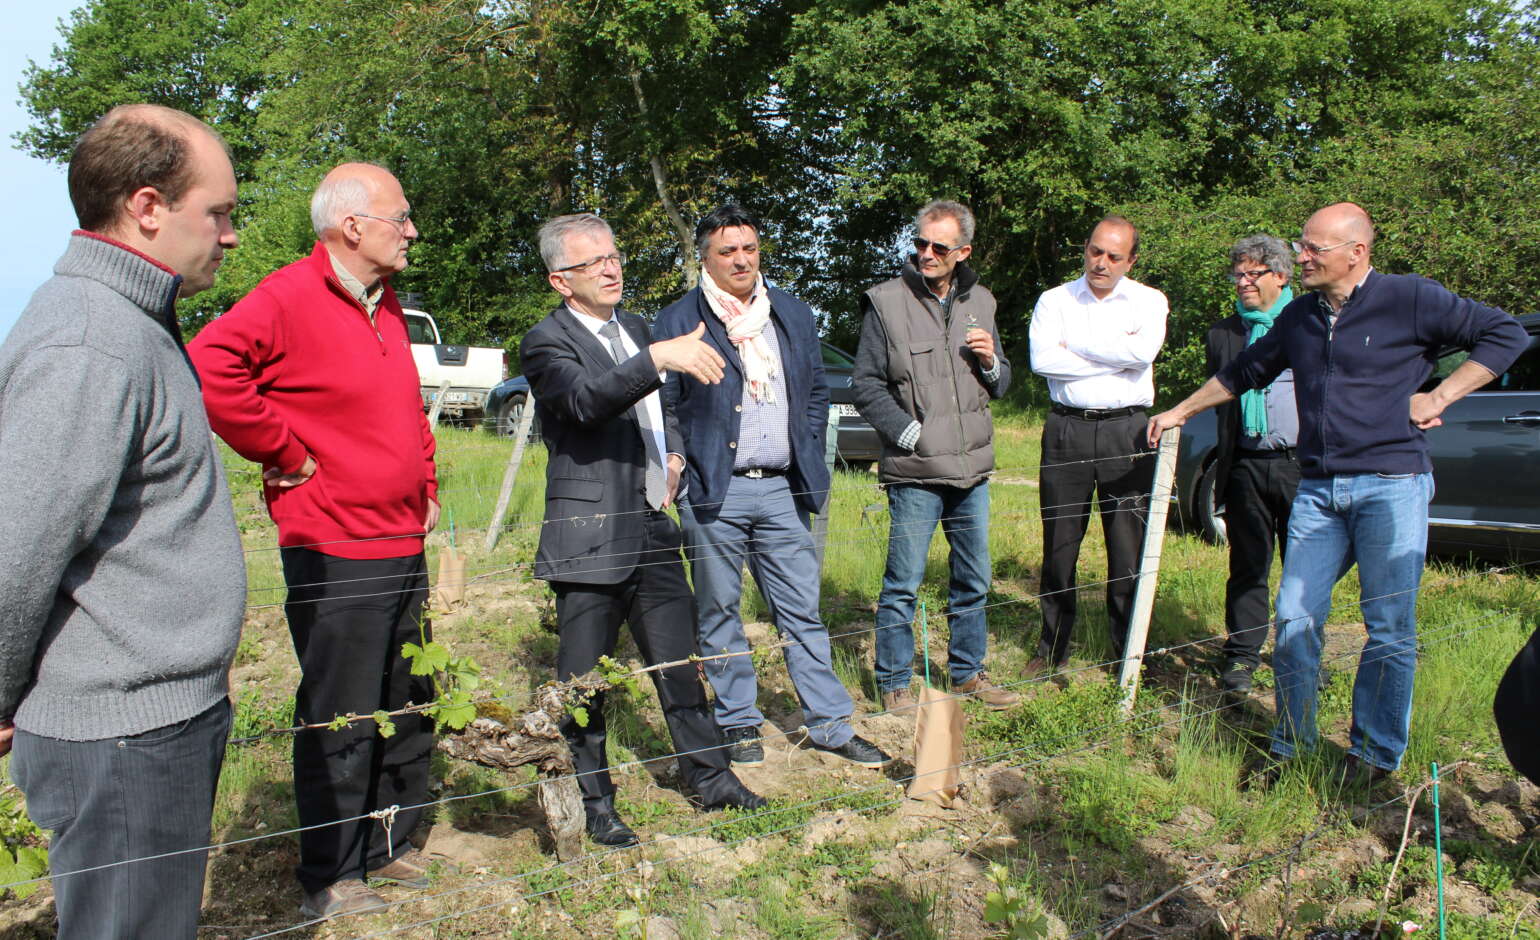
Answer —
38 213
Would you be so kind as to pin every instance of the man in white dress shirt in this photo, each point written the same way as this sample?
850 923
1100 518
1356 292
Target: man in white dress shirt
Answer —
1094 340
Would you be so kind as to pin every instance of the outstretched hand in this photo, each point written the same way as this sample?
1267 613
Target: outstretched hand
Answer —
690 355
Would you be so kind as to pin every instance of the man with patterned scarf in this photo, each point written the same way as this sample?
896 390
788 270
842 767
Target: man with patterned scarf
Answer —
1256 474
755 473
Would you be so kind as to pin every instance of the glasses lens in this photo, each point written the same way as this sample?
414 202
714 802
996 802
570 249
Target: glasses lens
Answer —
920 244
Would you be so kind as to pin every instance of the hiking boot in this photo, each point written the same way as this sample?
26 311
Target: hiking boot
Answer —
898 700
981 690
1039 666
743 746
1236 677
410 869
350 896
858 751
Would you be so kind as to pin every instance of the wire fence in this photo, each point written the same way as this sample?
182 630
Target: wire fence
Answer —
862 534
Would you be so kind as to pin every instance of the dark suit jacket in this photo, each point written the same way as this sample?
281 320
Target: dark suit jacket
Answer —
597 464
1225 341
709 418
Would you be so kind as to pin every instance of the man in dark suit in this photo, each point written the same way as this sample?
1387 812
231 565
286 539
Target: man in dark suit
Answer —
607 548
754 447
1257 474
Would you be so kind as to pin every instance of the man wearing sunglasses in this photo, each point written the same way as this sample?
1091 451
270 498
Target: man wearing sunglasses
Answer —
1095 340
311 376
1257 473
928 364
1361 344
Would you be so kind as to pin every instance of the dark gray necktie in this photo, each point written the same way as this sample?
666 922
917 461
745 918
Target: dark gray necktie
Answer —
657 484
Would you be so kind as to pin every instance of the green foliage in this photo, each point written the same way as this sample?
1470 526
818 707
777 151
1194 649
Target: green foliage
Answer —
22 853
1049 723
255 715
1010 907
833 120
455 681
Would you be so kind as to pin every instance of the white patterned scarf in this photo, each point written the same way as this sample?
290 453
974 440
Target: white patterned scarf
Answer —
745 323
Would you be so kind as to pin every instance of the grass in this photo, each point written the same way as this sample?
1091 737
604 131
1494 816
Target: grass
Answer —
1096 801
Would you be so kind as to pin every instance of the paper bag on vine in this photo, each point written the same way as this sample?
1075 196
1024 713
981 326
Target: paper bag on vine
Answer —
450 591
938 748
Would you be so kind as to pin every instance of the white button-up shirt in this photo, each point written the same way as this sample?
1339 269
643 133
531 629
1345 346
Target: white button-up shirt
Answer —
1097 352
654 401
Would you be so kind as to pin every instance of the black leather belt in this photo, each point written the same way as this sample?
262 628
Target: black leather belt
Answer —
755 473
1096 414
1277 454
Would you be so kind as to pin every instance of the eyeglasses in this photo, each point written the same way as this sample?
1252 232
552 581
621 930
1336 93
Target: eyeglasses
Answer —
1305 248
1248 277
921 244
595 265
399 221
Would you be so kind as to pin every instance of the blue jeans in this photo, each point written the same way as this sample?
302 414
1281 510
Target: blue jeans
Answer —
913 511
1381 523
759 523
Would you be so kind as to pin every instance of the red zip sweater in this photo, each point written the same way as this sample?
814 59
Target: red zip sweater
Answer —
297 369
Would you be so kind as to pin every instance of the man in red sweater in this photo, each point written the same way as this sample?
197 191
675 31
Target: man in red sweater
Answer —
311 376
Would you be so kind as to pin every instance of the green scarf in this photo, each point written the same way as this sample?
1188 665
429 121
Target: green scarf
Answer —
1253 401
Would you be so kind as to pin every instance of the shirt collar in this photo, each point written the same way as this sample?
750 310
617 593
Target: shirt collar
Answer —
370 299
594 324
1082 290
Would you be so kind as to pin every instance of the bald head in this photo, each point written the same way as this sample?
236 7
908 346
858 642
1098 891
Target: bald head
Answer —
362 215
1344 222
1334 255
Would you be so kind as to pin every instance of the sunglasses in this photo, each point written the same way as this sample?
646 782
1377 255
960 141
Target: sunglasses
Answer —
922 244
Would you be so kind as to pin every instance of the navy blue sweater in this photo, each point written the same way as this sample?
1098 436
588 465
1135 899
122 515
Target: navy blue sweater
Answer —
1354 381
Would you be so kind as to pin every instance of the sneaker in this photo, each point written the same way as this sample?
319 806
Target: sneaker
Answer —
991 696
897 700
743 746
1236 677
858 751
350 896
410 869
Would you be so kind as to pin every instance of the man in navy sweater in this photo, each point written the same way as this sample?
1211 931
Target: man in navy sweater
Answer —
1360 344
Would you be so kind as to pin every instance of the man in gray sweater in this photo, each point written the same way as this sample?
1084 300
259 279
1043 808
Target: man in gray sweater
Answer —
122 583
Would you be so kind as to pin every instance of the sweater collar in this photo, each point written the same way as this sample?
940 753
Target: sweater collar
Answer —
963 279
143 281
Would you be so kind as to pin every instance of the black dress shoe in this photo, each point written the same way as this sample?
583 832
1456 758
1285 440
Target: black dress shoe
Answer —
607 828
729 793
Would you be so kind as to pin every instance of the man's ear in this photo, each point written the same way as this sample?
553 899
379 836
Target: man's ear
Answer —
143 208
964 253
559 283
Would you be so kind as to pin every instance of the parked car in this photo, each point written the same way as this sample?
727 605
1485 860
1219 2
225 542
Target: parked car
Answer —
472 371
1486 464
857 442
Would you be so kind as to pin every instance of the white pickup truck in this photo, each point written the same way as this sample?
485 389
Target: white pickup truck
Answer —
472 371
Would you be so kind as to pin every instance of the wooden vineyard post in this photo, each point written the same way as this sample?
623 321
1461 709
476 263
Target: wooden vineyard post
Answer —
438 403
1149 567
520 436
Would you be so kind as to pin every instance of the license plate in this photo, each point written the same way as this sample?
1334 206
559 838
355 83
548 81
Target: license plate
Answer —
846 411
457 396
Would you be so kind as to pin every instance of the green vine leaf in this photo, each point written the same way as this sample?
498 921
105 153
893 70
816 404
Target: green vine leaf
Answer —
383 722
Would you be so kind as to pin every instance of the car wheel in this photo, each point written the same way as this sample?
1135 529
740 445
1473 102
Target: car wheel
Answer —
1206 505
509 415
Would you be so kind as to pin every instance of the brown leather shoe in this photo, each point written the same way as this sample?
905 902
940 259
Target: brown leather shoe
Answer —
898 700
410 868
986 693
343 897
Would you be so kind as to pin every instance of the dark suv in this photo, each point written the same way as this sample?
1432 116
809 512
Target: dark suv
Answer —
1486 464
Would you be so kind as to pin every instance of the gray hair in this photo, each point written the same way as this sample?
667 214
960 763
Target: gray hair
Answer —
336 199
1264 249
553 236
945 207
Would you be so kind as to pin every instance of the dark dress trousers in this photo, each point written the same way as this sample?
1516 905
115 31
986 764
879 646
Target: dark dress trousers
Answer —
1257 490
608 557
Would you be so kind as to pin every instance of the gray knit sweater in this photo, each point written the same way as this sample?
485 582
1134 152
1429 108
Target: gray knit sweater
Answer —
122 582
